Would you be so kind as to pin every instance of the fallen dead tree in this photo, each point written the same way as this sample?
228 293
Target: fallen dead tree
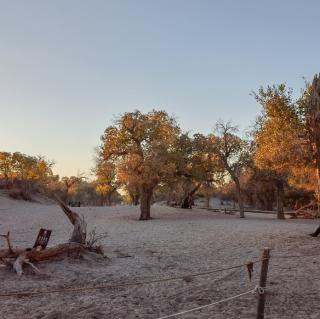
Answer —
18 257
309 211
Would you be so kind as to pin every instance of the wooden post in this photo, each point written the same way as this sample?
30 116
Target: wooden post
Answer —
263 283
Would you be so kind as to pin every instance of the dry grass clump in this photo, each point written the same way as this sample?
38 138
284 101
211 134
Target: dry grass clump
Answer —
94 242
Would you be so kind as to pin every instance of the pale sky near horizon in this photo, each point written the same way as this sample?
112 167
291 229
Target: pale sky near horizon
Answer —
67 67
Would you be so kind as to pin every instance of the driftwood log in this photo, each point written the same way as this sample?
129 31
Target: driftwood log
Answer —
18 257
41 255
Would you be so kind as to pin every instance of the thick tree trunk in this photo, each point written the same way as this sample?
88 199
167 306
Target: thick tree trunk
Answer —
187 201
240 197
280 199
145 205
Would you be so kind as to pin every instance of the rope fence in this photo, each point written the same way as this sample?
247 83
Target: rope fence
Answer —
108 286
259 289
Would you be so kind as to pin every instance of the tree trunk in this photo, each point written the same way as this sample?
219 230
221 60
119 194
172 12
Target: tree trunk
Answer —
240 197
280 199
208 202
136 200
6 181
134 197
101 200
169 198
187 201
109 200
145 205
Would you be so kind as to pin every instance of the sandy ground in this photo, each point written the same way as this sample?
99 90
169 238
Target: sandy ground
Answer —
176 242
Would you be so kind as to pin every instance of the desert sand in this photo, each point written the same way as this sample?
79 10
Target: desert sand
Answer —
176 242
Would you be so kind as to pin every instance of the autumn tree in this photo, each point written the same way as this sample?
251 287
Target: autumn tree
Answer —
139 145
198 165
131 185
258 186
6 167
70 183
29 171
106 181
279 145
234 154
313 120
310 107
180 183
86 193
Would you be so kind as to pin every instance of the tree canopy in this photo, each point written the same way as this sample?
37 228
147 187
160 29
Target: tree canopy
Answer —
140 147
234 154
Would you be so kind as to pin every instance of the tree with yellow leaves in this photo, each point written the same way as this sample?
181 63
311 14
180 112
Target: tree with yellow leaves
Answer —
106 181
310 107
139 145
28 172
198 165
234 154
279 139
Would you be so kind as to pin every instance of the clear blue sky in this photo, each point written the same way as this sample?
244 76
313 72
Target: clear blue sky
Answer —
68 66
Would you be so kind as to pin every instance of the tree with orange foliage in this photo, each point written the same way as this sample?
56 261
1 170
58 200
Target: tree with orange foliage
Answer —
106 181
234 154
279 139
310 107
202 166
139 145
29 171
